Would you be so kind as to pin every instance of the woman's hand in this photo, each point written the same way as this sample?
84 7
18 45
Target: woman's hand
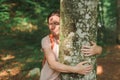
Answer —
91 50
83 69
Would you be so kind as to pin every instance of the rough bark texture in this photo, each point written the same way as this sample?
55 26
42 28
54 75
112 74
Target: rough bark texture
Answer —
78 27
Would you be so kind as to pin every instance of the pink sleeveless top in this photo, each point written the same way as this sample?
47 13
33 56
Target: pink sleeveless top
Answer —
47 73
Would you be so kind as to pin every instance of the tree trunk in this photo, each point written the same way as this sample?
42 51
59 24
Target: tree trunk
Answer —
78 27
118 21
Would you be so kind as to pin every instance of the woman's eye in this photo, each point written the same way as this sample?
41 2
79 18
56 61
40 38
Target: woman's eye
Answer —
56 23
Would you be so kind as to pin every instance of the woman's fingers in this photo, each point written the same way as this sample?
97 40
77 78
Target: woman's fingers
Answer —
86 69
84 64
85 50
92 43
88 50
86 47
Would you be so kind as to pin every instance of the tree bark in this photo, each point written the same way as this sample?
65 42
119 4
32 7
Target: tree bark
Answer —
78 27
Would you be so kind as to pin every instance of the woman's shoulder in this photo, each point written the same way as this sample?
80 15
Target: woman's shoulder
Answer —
46 38
45 42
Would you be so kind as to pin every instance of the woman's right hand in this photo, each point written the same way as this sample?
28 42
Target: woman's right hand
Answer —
81 68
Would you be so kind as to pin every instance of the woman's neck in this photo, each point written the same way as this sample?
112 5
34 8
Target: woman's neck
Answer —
57 39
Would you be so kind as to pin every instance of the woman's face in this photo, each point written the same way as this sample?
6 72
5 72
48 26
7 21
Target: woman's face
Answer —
54 24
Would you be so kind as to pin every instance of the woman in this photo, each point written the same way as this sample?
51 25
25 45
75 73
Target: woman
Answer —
50 45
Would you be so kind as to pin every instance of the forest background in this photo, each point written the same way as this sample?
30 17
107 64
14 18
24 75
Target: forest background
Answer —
23 24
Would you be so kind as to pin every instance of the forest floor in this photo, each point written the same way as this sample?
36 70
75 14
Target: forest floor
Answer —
109 66
17 66
17 61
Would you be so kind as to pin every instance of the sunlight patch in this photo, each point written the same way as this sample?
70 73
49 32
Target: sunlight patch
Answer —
3 73
25 27
99 70
8 57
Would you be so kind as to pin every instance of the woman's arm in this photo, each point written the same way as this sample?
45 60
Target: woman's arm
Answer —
79 68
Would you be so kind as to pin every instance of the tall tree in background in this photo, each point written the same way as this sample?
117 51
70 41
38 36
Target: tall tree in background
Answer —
109 18
118 21
78 27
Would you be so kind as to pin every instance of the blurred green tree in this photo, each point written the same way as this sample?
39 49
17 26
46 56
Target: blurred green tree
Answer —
26 18
107 22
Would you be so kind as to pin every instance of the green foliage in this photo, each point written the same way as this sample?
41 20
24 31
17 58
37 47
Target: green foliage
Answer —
4 13
16 33
26 19
110 13
108 20
33 11
22 26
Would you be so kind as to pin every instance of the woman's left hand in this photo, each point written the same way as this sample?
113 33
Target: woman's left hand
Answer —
91 50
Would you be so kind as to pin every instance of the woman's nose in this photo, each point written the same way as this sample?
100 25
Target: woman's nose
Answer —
52 26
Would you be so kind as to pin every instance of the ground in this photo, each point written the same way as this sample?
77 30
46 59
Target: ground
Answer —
109 66
15 66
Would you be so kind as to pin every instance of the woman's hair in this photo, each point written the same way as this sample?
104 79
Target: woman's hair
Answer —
57 12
